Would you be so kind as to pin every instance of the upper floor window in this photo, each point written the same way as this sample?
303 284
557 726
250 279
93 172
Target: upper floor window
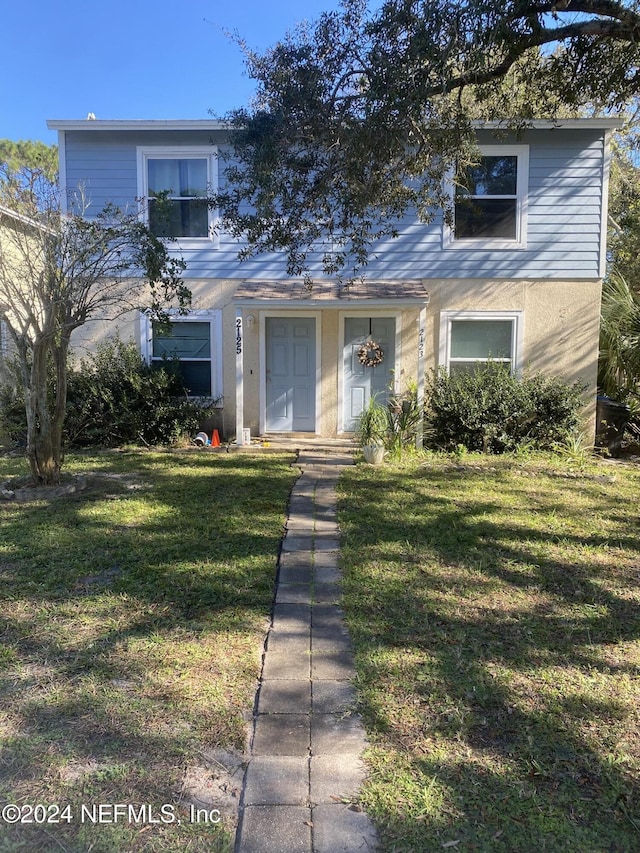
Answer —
489 202
175 184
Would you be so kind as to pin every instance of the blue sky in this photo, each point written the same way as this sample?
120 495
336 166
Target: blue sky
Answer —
127 59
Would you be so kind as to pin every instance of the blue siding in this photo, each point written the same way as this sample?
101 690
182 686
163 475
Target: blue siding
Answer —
564 211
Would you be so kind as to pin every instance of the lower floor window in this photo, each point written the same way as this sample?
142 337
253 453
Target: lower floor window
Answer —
193 346
471 339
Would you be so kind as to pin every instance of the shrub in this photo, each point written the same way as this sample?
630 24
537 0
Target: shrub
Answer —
13 420
492 411
114 398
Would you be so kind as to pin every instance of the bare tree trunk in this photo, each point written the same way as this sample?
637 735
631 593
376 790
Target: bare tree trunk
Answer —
43 455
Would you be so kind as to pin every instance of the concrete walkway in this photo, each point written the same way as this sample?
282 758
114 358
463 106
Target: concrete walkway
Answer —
302 779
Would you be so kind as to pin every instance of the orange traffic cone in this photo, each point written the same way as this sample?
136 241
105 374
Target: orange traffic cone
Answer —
215 439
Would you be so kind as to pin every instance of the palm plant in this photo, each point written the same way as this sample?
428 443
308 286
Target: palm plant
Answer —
619 362
619 359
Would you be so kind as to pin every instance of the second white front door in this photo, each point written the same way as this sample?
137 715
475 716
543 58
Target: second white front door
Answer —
361 382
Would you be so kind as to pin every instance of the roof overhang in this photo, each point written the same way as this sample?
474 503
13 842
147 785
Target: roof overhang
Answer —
137 124
548 124
331 295
218 124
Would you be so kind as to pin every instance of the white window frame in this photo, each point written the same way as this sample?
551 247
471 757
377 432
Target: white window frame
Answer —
517 335
214 318
181 152
522 193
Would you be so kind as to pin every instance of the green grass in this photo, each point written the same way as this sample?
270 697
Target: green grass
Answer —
495 611
131 622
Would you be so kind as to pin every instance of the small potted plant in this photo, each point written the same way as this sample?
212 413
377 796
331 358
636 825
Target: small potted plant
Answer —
373 424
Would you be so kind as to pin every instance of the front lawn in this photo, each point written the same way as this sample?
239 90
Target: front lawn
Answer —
495 609
131 623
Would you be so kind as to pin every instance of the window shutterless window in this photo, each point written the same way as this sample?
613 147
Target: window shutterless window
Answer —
470 339
489 200
188 345
193 345
175 185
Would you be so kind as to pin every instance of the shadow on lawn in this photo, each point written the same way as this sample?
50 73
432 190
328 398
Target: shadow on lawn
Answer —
488 650
130 634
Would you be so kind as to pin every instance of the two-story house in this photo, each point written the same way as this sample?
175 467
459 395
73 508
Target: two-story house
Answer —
517 276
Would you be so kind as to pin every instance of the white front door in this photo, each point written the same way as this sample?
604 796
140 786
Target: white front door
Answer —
360 381
290 374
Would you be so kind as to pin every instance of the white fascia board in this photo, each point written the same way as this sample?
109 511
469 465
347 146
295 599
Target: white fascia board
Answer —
548 124
218 124
137 124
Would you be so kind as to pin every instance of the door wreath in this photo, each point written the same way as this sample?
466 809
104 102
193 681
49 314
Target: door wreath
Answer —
370 354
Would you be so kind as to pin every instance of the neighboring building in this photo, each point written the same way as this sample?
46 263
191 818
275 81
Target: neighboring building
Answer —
17 242
517 278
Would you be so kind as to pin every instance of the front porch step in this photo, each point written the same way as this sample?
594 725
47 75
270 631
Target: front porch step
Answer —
307 441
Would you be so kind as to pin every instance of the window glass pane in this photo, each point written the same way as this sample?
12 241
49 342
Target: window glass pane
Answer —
485 217
481 339
186 178
491 176
471 367
170 218
188 340
196 376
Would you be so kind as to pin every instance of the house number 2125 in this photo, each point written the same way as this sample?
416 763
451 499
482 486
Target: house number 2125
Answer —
238 336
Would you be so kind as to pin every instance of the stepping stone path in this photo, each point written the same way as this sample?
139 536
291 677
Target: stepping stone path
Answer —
304 772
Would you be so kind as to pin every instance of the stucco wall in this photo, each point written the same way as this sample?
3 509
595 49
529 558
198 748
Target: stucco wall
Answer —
561 320
560 337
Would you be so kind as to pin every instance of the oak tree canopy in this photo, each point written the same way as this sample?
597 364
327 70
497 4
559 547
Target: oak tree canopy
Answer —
358 117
